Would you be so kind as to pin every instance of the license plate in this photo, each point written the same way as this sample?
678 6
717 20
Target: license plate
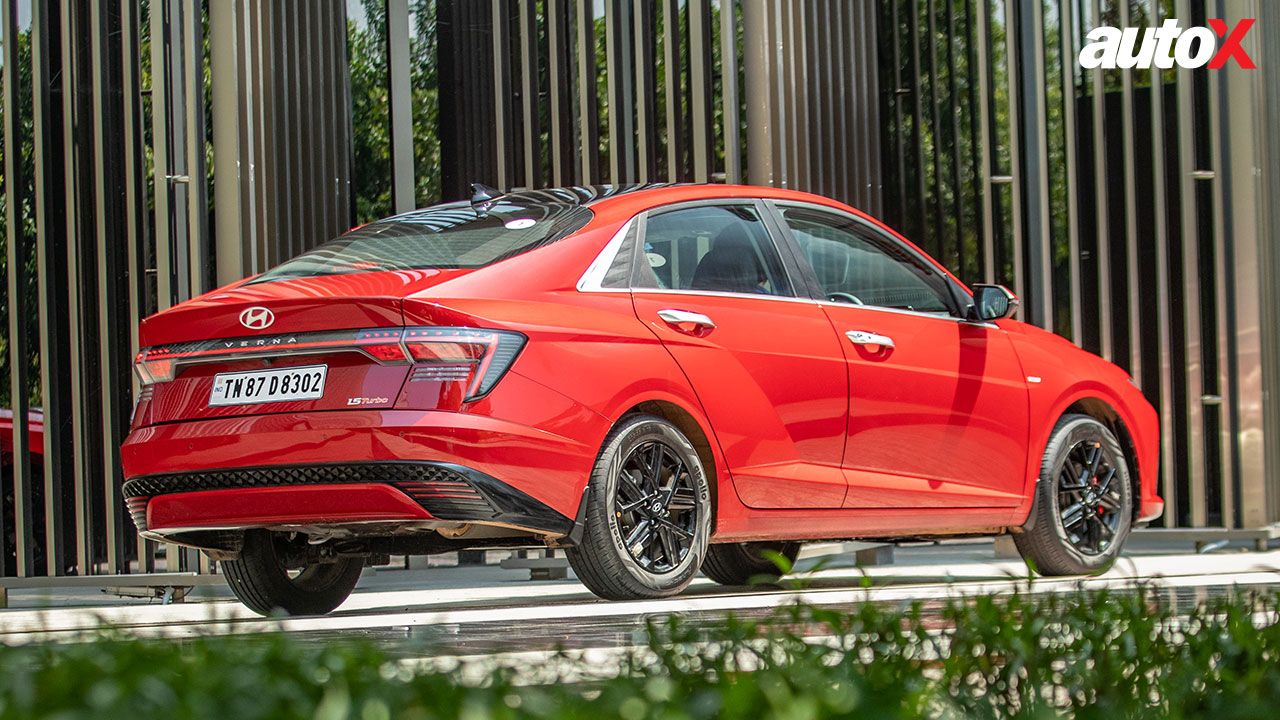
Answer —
266 386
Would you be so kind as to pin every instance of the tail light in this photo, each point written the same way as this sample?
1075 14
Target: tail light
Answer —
475 357
481 356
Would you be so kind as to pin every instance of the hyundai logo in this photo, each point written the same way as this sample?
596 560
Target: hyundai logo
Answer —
257 318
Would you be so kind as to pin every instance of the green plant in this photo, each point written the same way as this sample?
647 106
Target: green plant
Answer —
1107 654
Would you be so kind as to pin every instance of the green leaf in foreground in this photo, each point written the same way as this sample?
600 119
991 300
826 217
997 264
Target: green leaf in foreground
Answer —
1108 654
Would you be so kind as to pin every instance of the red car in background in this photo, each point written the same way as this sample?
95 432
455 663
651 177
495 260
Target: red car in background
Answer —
35 440
661 380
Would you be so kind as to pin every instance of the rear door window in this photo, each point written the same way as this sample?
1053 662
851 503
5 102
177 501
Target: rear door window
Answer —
711 248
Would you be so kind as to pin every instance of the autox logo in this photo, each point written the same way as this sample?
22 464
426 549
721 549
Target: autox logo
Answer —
1162 47
257 318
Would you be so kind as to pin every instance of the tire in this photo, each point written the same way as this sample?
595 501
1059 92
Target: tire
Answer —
658 563
744 563
261 581
1081 516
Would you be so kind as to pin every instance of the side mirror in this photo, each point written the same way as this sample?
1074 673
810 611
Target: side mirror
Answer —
992 302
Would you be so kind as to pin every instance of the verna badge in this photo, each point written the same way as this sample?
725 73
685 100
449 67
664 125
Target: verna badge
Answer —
257 318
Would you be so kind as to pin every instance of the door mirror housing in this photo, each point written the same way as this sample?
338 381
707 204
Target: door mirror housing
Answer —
992 302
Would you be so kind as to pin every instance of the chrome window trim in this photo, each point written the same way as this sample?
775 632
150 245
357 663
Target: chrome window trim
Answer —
712 293
914 313
593 277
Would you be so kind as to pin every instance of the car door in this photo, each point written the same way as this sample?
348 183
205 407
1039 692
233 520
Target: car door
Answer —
938 413
711 283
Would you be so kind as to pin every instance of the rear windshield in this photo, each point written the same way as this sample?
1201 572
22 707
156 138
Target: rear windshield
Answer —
445 236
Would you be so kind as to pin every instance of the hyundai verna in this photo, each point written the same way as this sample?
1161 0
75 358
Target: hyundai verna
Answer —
660 380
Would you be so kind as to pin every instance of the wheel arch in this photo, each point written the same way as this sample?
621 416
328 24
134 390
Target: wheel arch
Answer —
1103 411
685 421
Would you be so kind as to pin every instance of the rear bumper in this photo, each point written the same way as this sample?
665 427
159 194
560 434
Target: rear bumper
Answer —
328 495
551 468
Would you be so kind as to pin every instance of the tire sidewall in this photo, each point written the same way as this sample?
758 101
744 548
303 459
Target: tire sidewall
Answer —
1067 437
635 432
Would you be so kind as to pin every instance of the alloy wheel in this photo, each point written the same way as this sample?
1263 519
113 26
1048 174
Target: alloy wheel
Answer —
656 507
1090 501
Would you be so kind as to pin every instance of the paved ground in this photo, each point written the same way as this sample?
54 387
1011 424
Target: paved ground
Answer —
466 611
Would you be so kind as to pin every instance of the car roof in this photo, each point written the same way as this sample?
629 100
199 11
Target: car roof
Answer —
631 198
640 198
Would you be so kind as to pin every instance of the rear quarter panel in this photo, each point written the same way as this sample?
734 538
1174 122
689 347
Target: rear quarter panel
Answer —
586 346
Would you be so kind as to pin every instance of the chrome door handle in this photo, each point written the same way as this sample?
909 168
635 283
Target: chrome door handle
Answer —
686 321
861 337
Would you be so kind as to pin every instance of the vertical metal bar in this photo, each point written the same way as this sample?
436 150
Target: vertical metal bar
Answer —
500 90
230 242
817 98
1068 57
700 87
113 341
98 51
1267 338
871 114
587 122
1100 199
280 68
1224 275
756 66
305 178
198 190
620 79
729 90
643 95
988 196
557 73
529 94
671 87
80 459
1194 367
794 98
1034 165
917 123
953 105
160 152
935 131
401 94
613 69
1244 148
781 96
19 343
1163 300
134 203
47 80
1015 148
1130 239
841 180
1266 414
198 239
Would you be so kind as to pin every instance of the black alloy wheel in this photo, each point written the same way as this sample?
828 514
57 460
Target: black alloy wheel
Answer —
656 507
1084 504
1089 498
647 514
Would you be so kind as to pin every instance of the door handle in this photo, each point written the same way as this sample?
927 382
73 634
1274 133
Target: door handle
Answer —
862 337
686 321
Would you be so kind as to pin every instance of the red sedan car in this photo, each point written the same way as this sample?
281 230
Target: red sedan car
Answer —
661 380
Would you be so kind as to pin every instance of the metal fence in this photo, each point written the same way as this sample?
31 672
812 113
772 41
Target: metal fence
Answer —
1125 206
155 149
